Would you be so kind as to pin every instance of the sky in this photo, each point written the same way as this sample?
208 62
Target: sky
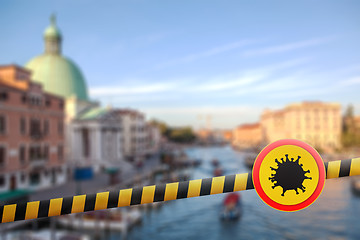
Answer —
185 62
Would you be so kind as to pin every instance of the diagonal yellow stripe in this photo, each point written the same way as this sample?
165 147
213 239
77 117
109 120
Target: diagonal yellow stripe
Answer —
148 194
32 210
9 213
55 207
240 181
333 169
101 201
171 191
194 188
78 204
217 185
355 167
125 197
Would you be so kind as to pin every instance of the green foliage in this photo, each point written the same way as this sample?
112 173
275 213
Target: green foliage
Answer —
175 134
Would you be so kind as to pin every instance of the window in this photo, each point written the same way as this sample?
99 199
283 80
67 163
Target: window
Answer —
60 127
23 98
2 156
35 128
2 124
22 155
22 126
60 152
86 142
3 96
46 152
23 177
46 127
48 102
2 181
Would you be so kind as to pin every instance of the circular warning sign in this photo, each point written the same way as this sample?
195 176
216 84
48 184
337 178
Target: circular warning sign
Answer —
288 175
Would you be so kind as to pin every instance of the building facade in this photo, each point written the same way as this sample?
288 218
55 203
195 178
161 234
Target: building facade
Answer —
247 136
31 133
135 138
317 123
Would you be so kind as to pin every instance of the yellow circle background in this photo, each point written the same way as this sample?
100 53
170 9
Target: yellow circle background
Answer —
290 197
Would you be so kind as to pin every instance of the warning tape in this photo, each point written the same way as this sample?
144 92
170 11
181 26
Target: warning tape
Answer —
150 194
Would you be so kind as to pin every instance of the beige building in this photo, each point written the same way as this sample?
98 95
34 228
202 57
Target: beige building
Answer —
247 135
317 123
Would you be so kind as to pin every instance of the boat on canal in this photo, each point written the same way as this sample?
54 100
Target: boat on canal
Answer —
231 209
112 219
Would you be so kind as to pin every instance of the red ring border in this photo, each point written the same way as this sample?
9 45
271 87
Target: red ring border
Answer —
272 203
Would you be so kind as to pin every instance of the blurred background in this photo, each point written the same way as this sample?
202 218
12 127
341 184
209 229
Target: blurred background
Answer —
108 95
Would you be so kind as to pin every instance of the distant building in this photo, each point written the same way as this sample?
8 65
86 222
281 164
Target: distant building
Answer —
31 133
247 135
317 123
98 135
228 135
154 138
135 142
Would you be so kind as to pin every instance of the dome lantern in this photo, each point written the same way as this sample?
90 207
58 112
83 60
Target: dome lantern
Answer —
52 37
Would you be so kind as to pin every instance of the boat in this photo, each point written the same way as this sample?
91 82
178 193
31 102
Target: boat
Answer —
112 219
218 172
215 162
231 209
46 234
355 186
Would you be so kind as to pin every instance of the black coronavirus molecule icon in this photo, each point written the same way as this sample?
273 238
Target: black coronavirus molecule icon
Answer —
289 175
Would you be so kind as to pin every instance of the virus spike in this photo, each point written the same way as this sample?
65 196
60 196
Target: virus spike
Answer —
292 159
287 159
276 160
274 169
296 191
307 177
297 160
307 171
283 192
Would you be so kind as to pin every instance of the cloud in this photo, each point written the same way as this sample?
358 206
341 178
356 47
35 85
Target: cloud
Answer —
285 47
207 53
351 81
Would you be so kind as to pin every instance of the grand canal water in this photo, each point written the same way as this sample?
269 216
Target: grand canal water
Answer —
335 215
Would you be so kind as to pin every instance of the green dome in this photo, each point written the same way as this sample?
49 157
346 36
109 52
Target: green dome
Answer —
58 75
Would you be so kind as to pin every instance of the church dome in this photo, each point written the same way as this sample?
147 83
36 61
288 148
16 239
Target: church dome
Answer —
57 74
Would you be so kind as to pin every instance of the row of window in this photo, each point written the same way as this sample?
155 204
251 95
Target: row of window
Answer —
35 128
34 177
34 153
32 100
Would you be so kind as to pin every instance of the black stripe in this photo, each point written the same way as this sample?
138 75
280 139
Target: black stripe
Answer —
113 199
326 164
229 183
1 212
20 211
66 205
182 190
136 196
205 186
44 208
345 168
159 193
90 202
249 183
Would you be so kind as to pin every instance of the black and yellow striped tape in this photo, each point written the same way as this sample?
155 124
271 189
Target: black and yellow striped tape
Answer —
150 194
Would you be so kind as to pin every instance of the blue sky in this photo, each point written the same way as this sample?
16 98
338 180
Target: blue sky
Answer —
181 61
